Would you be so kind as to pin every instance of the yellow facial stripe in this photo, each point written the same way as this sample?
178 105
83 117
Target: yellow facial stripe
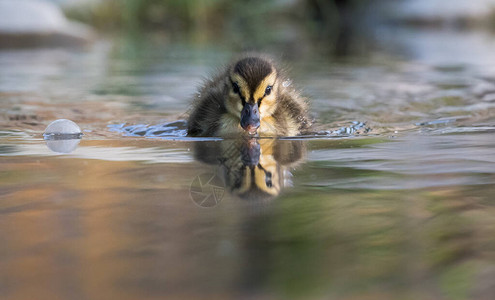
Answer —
261 182
260 90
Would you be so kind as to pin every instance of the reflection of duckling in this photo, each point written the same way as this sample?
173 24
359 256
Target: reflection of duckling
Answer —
249 95
252 168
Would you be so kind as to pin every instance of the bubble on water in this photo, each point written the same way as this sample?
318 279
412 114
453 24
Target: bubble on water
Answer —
62 126
62 136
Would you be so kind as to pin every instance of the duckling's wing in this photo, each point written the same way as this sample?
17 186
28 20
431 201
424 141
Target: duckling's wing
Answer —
292 111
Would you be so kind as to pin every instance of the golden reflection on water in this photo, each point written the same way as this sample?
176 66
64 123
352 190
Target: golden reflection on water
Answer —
99 230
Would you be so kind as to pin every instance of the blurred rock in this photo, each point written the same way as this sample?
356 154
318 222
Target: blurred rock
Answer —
38 23
489 98
483 88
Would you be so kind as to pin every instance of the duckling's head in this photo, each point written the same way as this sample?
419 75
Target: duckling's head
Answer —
253 85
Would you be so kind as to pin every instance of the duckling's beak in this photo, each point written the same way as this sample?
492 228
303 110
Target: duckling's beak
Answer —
250 118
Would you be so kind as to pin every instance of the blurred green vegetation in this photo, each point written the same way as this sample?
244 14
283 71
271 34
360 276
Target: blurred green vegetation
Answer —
214 14
335 26
166 14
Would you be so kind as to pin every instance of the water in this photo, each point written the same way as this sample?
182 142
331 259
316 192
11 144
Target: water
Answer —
392 199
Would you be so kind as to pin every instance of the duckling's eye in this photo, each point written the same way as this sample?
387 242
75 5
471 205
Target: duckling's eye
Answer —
268 90
235 87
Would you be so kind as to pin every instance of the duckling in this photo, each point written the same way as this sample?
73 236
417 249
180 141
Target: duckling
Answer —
248 97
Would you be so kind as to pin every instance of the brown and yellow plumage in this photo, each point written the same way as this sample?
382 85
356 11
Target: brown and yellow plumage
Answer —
248 96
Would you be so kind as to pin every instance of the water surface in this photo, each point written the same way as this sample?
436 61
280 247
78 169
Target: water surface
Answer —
403 210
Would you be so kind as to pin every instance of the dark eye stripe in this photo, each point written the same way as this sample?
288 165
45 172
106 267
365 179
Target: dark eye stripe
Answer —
268 90
235 86
237 90
259 100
